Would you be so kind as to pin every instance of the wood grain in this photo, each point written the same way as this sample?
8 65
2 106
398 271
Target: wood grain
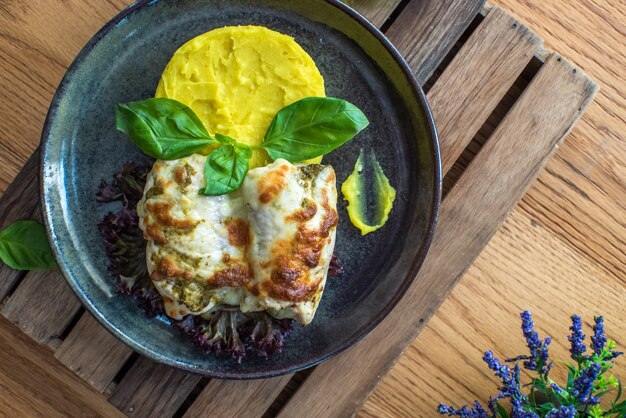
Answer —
376 11
559 252
540 119
34 307
33 383
37 44
232 398
426 30
482 72
93 353
152 390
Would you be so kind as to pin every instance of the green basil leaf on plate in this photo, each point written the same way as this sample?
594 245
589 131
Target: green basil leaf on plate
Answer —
24 246
312 127
162 128
225 169
224 139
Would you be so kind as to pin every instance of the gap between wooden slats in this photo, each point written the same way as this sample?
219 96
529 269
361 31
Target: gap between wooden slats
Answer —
42 306
477 79
490 125
426 30
97 362
539 120
151 389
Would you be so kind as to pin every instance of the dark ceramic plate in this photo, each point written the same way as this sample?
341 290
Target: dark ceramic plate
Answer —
123 63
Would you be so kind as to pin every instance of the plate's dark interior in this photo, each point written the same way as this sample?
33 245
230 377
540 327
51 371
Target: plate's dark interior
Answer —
123 63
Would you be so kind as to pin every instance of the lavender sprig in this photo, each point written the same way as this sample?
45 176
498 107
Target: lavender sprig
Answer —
476 412
583 385
598 339
538 358
563 412
577 338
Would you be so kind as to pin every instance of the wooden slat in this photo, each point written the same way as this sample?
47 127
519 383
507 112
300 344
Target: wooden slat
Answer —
426 30
232 398
376 11
93 353
34 384
18 202
469 216
482 72
42 305
150 389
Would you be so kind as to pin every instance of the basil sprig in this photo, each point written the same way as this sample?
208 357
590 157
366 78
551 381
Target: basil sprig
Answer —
225 169
309 128
312 127
24 246
162 128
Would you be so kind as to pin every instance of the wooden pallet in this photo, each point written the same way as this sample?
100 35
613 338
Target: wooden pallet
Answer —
501 103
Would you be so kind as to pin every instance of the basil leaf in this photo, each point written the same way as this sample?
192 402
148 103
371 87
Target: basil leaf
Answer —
24 246
225 169
162 128
224 139
312 127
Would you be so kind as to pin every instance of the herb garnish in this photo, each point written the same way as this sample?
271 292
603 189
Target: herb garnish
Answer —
24 246
309 128
163 128
312 127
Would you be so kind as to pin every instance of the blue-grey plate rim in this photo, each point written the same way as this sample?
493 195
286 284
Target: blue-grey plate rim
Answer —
410 275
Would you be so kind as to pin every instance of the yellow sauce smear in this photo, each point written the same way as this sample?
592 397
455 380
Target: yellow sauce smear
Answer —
353 190
237 78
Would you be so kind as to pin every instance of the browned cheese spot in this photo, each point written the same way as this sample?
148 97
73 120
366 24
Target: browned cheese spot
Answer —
272 184
238 232
166 268
184 175
161 214
308 211
153 231
232 276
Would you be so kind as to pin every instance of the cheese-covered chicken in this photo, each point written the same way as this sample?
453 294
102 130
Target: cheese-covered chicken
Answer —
266 246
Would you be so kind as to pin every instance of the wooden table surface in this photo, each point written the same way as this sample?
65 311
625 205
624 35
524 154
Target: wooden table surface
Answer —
562 250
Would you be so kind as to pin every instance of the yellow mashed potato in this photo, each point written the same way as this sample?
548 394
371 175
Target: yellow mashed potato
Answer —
236 78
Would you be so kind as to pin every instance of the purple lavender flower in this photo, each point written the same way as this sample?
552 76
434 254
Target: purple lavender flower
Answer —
510 386
491 403
613 355
583 385
563 412
598 340
557 389
538 358
464 412
577 338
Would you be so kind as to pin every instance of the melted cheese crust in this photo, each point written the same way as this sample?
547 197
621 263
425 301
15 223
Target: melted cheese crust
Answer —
266 246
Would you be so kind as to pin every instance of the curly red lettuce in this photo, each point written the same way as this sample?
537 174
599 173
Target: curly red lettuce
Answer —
230 332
